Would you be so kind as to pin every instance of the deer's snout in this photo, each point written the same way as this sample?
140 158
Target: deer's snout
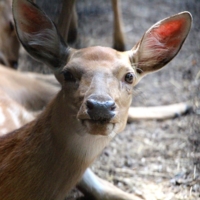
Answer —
100 110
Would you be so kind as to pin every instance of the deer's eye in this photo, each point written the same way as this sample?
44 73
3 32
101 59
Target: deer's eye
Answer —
68 76
129 77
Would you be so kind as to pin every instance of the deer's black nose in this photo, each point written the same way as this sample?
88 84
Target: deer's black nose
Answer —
100 110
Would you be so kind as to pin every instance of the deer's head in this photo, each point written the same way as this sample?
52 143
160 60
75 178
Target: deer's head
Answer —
97 82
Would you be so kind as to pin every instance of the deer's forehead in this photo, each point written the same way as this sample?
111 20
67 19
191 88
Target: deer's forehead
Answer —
97 53
99 58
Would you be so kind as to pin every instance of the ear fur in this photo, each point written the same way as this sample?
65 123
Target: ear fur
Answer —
161 43
38 34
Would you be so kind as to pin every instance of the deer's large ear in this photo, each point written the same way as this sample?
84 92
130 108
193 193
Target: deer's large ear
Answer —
39 35
161 43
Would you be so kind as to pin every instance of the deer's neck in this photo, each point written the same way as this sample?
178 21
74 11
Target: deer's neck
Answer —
73 148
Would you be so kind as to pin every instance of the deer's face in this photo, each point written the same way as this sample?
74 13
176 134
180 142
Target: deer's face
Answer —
97 83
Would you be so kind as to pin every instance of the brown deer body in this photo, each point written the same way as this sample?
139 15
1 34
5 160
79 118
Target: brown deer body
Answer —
23 96
48 156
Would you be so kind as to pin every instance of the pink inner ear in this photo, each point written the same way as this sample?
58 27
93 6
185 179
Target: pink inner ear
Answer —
170 33
33 19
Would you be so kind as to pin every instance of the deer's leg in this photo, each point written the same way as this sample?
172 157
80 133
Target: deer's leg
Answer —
158 112
65 18
118 37
96 188
73 26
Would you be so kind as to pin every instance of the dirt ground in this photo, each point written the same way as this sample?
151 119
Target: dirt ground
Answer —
159 160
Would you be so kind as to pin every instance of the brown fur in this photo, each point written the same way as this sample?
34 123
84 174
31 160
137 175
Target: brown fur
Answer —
26 90
22 97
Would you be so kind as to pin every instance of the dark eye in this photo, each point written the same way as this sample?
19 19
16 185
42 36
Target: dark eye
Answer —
129 78
68 76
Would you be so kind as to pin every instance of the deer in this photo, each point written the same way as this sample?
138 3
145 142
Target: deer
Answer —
47 157
23 96
9 47
34 88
